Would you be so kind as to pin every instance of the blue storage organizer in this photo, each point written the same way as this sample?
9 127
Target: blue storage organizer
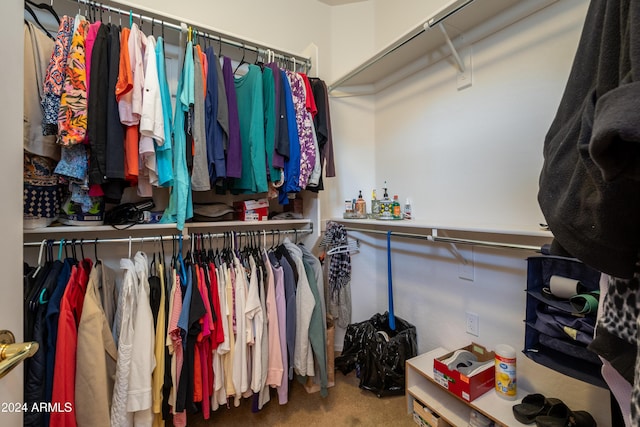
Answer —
565 355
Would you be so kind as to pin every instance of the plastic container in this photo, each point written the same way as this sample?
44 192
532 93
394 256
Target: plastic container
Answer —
396 213
506 384
407 209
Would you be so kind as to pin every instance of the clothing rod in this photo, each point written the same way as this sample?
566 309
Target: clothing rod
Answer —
415 32
454 240
173 24
151 239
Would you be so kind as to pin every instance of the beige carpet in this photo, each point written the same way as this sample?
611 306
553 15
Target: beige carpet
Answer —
346 405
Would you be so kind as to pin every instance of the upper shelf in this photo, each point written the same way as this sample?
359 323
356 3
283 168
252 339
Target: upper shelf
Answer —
425 44
427 227
171 228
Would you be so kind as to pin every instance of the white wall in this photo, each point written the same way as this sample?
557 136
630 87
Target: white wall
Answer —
466 158
11 196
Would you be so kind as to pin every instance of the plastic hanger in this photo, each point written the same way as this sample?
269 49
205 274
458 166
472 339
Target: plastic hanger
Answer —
47 7
42 245
82 248
37 21
60 249
183 271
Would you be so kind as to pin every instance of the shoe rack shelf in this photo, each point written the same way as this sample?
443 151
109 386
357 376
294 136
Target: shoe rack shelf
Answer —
421 386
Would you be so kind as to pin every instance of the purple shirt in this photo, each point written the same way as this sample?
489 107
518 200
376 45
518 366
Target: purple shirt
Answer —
234 152
278 158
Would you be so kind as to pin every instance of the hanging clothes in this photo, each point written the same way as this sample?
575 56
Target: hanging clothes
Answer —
96 354
270 120
292 163
51 327
200 173
64 373
180 206
55 76
159 348
322 126
151 122
72 116
125 316
304 128
164 151
37 53
139 394
234 151
251 120
97 107
216 119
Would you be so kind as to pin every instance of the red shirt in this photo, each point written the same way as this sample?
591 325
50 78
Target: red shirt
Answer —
64 373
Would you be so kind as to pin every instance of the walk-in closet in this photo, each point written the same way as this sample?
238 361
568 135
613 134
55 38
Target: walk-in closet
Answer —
319 211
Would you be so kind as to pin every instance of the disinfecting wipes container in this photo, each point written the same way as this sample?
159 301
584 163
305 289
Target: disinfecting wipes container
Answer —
506 386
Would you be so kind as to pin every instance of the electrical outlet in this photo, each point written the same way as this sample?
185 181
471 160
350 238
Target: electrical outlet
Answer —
472 323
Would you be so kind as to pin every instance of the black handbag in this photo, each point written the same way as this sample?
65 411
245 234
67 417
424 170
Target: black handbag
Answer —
128 213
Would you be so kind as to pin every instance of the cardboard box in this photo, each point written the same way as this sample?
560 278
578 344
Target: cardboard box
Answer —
467 388
252 210
424 416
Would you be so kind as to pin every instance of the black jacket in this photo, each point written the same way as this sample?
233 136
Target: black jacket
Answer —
590 181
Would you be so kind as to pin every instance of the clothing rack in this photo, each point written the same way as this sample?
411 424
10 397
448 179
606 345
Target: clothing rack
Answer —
203 31
453 240
169 237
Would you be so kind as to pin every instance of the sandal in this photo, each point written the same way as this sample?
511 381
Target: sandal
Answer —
532 406
559 415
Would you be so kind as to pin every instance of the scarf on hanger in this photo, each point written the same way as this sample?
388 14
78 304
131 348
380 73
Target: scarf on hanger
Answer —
340 264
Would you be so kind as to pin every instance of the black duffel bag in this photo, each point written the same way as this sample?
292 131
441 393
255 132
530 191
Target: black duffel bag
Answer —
378 353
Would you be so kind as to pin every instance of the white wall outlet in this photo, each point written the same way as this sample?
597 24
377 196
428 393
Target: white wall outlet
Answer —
472 323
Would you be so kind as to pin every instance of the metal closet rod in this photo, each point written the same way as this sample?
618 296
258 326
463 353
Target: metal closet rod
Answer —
453 240
170 237
285 56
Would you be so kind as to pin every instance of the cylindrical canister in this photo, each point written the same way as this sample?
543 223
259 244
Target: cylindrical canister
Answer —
506 386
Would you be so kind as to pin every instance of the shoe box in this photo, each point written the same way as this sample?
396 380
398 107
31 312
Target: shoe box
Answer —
252 210
471 387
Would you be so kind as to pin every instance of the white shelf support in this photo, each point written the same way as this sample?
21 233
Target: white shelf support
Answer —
462 60
454 51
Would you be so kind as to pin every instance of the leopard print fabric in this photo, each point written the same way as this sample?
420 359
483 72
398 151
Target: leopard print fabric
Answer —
621 307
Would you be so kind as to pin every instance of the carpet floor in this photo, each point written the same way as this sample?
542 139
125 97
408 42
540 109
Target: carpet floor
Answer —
346 405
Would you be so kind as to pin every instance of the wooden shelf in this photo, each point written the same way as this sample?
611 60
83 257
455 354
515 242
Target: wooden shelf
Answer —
421 386
426 44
